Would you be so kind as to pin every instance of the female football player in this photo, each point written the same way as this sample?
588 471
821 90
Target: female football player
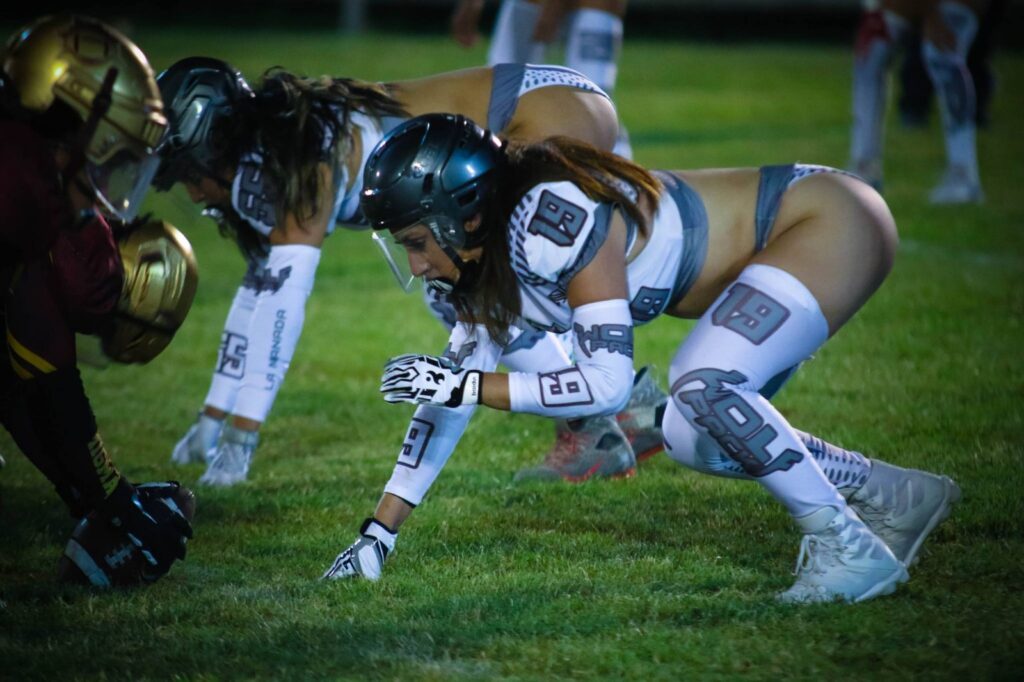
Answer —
559 235
948 28
282 165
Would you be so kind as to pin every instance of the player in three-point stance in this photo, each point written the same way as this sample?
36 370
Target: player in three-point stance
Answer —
282 166
559 235
80 117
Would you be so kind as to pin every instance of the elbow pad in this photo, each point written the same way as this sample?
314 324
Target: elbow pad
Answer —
282 286
601 380
435 431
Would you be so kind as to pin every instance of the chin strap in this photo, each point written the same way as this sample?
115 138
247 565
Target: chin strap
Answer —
469 273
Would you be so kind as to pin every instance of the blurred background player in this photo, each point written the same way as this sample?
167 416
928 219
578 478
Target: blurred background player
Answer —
916 90
948 28
80 117
525 29
279 182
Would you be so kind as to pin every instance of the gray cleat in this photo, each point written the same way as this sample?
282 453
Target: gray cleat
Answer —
902 506
584 448
641 420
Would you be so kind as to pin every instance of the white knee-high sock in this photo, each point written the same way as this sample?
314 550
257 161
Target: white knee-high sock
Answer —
845 469
763 323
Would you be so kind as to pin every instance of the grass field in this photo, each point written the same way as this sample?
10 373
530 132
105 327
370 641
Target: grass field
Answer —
667 575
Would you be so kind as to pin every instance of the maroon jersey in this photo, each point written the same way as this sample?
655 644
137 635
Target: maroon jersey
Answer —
33 206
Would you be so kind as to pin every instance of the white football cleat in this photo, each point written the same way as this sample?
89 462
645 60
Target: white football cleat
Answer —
902 506
230 463
957 187
841 560
199 443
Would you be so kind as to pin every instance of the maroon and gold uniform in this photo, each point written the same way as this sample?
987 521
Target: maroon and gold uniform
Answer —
80 116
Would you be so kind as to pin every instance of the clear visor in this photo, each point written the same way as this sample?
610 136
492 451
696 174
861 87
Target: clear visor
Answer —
122 181
396 258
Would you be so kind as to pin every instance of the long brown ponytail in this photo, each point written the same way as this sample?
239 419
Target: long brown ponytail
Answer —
602 176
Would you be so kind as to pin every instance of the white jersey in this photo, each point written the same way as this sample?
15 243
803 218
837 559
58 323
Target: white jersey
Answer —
255 201
556 230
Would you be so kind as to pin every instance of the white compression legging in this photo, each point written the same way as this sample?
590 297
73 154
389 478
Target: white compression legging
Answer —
764 323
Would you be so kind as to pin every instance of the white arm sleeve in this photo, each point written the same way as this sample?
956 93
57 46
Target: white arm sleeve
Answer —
282 288
230 368
435 431
602 378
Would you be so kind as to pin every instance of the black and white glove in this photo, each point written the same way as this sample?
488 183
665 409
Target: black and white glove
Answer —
365 557
429 380
152 520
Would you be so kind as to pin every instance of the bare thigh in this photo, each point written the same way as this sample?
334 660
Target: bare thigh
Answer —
836 235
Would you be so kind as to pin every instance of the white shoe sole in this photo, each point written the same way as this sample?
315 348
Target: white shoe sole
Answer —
879 589
884 587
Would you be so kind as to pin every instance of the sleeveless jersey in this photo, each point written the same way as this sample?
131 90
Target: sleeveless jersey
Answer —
255 201
556 230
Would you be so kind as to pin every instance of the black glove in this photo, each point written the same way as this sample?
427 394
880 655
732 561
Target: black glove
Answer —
152 520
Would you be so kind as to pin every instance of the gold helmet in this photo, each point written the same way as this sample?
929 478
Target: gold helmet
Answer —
160 279
105 79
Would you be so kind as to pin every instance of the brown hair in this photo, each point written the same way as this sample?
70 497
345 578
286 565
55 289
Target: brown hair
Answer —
288 120
602 176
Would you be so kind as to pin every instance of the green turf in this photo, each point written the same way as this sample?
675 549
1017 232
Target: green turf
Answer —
668 575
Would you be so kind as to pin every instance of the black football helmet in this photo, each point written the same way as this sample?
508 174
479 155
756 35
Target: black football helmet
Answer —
436 169
196 91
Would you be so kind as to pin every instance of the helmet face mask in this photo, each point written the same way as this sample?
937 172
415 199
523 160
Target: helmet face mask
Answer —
436 170
122 182
68 59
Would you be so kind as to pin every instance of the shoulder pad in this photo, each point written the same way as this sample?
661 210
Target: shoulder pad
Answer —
551 228
251 198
